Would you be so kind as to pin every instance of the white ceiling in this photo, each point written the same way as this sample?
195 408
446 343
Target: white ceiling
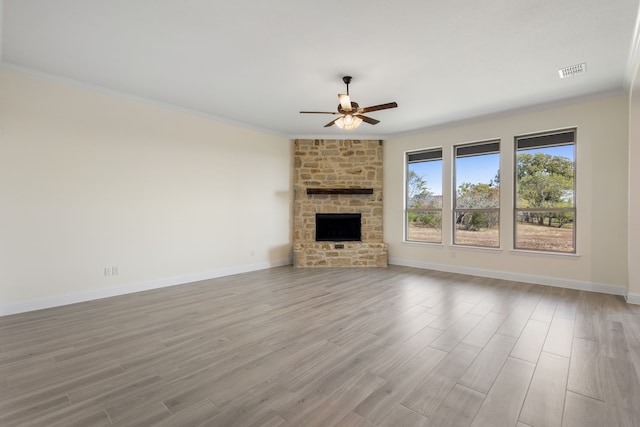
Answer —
260 62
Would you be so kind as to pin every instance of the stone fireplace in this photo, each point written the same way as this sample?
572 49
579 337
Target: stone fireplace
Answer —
338 181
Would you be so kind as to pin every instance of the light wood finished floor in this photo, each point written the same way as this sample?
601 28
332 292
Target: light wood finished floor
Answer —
327 347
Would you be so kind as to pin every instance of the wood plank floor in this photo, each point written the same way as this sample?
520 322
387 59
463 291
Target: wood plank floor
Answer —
327 347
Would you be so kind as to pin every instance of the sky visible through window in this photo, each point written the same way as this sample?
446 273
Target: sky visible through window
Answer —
431 172
476 169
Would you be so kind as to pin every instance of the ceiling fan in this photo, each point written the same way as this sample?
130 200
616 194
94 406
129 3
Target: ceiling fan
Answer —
351 115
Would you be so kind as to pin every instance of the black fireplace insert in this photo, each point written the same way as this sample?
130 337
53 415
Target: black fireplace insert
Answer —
338 227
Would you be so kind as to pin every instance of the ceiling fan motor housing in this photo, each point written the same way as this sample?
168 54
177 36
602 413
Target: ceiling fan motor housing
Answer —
354 108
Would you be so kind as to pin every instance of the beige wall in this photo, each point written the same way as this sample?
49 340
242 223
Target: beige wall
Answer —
90 180
634 189
602 150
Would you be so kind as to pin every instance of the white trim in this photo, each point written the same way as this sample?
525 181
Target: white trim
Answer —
517 277
633 298
56 301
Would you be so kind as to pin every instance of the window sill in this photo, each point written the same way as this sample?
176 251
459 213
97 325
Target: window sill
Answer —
482 248
548 253
415 242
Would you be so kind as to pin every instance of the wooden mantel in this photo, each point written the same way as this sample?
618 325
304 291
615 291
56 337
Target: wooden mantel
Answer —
339 190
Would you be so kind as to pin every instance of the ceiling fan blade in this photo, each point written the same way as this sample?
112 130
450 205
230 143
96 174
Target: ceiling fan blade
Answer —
345 102
368 119
331 122
318 112
378 107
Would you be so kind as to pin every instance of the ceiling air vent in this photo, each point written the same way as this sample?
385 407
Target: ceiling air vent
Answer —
572 70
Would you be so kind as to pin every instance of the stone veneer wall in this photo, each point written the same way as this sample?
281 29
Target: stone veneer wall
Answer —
338 164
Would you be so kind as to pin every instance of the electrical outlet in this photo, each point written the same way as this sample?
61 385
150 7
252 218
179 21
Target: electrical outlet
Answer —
115 271
107 271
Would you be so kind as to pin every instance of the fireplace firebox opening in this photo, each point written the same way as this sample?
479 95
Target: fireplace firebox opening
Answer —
338 227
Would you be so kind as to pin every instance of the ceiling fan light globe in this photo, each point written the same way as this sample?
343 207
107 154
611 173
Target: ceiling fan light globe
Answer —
349 122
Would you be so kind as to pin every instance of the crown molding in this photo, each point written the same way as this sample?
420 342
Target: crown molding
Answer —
633 62
513 112
127 96
1 26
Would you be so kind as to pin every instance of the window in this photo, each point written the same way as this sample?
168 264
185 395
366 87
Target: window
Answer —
423 205
476 210
545 209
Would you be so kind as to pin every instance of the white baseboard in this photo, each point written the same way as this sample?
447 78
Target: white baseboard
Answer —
518 277
56 301
633 298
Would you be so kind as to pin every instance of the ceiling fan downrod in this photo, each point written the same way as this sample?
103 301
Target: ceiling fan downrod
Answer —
347 80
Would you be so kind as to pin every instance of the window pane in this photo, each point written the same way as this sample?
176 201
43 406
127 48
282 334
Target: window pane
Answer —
477 228
545 177
424 226
477 195
477 180
424 185
545 231
424 196
545 192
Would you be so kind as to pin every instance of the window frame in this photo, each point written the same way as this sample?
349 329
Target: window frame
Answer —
454 196
551 134
407 210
